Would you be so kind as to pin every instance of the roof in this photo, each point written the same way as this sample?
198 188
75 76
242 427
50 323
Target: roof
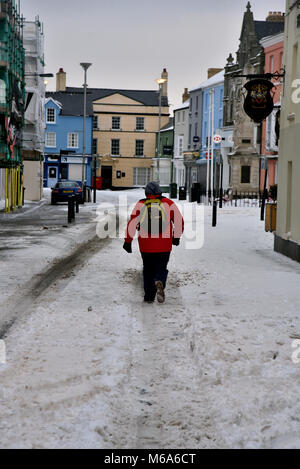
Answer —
168 126
268 28
71 103
272 40
146 97
212 81
184 105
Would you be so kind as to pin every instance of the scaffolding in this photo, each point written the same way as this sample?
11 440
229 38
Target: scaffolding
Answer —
12 99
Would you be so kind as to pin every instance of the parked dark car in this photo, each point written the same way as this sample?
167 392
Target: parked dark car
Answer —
64 189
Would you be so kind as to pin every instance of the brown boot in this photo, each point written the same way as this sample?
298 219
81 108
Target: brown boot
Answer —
160 291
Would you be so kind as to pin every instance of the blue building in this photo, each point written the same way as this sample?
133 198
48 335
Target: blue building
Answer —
212 123
64 137
212 96
206 96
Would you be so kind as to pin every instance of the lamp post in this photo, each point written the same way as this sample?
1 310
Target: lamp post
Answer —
85 67
160 83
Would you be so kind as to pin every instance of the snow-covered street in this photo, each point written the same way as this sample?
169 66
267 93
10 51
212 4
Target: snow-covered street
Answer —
92 366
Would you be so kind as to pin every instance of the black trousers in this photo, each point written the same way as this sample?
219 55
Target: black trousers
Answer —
155 269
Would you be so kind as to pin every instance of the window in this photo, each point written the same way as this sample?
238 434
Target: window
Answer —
246 173
183 116
180 146
51 139
164 175
178 118
115 147
272 64
191 105
205 130
95 122
197 103
50 116
139 148
95 146
116 122
140 123
298 21
190 133
73 140
196 129
141 176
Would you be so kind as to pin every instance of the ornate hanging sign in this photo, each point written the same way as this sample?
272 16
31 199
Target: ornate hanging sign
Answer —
259 102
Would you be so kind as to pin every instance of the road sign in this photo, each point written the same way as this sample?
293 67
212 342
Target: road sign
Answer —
196 139
217 139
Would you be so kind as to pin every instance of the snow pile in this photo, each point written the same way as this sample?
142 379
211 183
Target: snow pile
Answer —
94 367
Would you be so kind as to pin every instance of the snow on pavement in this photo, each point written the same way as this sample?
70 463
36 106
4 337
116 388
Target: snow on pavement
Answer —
94 367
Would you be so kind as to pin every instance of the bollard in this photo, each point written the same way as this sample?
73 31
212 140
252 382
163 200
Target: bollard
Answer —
71 209
214 218
221 198
77 206
70 219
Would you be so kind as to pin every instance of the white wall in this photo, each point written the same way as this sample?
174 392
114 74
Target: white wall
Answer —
33 180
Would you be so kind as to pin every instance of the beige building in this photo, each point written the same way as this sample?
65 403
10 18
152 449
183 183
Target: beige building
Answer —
287 236
124 134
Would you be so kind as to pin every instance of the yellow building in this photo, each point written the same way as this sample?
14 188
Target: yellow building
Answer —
124 134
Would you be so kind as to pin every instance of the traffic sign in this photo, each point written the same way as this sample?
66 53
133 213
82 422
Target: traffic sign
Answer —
217 139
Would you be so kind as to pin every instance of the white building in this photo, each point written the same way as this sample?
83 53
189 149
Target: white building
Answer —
181 134
33 133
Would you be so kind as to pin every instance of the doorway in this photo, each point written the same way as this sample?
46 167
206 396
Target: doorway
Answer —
106 173
52 176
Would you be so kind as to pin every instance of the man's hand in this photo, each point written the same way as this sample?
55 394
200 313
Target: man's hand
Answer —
176 241
127 247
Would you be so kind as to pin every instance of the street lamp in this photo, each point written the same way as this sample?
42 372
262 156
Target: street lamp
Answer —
85 67
160 82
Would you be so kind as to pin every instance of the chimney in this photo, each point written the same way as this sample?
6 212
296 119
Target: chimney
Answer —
275 17
213 71
61 80
186 95
165 85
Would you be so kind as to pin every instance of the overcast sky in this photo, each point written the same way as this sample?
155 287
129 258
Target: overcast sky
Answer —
129 42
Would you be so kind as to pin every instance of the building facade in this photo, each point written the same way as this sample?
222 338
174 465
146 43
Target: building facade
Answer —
244 159
212 123
273 48
166 153
34 128
206 107
181 134
12 99
64 136
287 236
124 134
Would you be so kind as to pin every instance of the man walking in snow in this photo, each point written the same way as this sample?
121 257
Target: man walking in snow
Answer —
160 225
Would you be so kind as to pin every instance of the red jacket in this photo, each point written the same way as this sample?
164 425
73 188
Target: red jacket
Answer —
160 242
